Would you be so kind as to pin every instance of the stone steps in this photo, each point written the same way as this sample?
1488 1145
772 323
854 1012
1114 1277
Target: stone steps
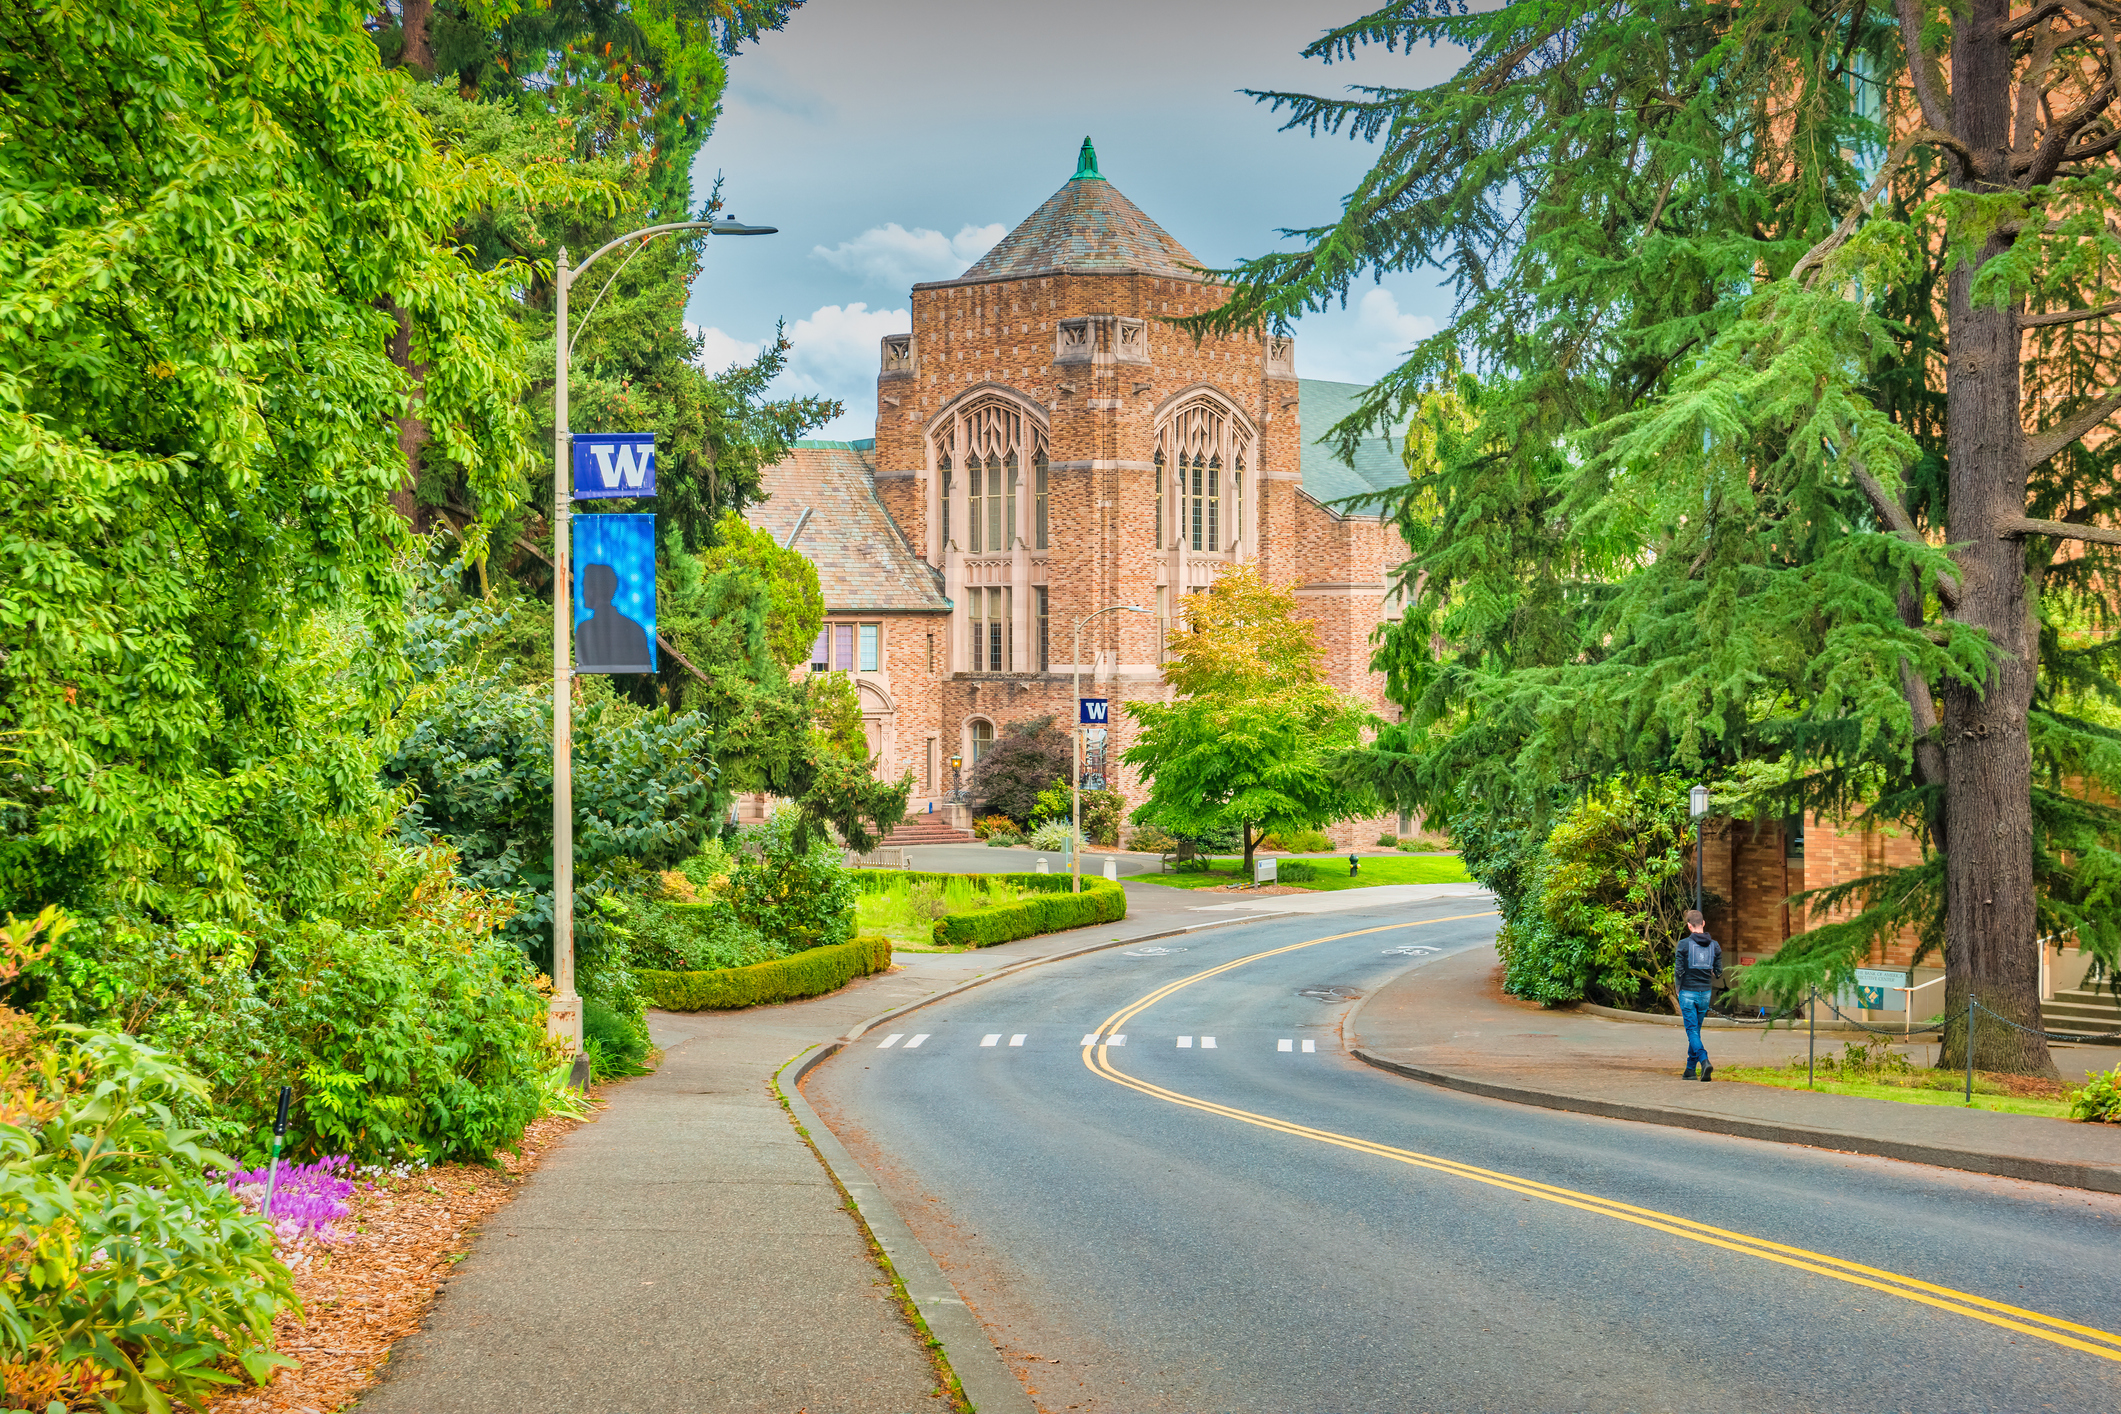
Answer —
925 829
2082 1010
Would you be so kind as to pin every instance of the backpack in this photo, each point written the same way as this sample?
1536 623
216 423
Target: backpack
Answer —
1700 952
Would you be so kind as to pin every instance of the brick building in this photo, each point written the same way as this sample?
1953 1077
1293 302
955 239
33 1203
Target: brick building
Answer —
1045 448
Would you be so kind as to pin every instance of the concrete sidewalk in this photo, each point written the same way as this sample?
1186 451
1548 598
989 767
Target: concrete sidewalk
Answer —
687 1252
1448 1023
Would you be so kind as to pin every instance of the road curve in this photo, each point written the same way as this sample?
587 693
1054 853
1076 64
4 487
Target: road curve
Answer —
1162 1224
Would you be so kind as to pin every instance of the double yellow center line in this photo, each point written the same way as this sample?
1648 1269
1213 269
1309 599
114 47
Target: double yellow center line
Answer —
2013 1318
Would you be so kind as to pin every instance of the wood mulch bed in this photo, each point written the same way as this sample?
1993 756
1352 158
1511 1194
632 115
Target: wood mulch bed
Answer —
363 1294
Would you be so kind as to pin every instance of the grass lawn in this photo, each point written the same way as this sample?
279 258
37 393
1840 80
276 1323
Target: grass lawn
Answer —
1922 1088
1333 873
906 912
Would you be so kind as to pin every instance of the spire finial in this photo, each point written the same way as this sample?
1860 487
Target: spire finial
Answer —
1086 165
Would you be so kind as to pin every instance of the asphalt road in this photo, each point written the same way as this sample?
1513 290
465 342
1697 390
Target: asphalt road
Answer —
1267 1224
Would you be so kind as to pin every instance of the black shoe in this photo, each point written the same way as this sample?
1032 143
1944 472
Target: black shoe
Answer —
1707 1071
1689 1074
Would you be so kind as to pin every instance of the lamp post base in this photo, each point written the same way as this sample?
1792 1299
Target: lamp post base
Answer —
563 1020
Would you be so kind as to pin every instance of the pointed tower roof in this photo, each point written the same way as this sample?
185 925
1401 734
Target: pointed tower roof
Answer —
1086 225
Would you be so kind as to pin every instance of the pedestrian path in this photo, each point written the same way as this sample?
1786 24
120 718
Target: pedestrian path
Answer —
1447 1021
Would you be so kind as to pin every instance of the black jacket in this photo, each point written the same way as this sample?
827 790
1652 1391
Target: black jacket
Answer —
1696 979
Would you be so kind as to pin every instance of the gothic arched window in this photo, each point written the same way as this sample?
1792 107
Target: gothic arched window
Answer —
995 442
1203 443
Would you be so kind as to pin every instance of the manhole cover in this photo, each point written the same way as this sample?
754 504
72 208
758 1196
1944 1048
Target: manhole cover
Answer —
1152 952
1409 951
1329 994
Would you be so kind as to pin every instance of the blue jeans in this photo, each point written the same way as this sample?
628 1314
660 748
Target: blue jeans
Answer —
1692 1007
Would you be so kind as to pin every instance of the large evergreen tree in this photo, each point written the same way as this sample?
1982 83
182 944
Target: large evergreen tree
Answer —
1790 329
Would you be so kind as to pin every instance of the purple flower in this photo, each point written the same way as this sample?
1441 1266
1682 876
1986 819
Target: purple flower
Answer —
307 1199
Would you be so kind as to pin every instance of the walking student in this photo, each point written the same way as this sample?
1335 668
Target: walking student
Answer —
1695 964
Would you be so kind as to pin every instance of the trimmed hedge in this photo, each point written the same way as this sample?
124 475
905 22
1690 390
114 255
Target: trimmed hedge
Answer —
809 973
1101 901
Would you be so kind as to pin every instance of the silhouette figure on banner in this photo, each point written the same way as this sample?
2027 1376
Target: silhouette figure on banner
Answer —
609 642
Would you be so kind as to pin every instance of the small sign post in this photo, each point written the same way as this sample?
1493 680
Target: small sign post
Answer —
1263 870
1873 983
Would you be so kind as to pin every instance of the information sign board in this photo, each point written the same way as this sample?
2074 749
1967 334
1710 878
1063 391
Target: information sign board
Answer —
1093 710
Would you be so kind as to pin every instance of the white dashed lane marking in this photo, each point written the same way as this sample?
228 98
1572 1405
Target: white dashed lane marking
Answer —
1284 1045
1207 1043
1017 1039
1091 1039
916 1041
891 1040
1310 1045
993 1039
1185 1043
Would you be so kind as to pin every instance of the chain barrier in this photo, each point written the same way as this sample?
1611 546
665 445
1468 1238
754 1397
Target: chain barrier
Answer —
1926 1026
2050 1035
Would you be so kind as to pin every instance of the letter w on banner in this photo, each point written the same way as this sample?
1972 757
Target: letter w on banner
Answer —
608 465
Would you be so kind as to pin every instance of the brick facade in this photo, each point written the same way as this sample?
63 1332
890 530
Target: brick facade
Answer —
1048 357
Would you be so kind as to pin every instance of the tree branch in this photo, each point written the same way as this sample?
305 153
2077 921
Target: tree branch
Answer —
2039 446
2011 527
1901 524
2067 316
1834 240
1922 68
2027 21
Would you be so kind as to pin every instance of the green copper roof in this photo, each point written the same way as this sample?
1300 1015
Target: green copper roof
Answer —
1086 165
1086 225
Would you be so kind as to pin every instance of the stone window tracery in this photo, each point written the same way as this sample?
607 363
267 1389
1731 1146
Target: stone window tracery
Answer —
994 441
1202 443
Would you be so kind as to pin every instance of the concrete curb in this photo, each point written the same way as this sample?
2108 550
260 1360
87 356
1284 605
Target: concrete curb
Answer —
988 1385
2099 1178
987 1381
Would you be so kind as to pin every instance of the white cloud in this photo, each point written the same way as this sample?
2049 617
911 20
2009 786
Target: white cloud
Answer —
719 351
833 353
895 258
1361 345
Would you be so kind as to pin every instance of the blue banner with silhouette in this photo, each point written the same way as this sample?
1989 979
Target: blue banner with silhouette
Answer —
614 594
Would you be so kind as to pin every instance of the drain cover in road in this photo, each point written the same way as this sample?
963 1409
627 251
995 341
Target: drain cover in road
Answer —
1409 951
1152 952
1329 994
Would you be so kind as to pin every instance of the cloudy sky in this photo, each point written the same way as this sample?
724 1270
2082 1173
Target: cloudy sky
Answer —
894 141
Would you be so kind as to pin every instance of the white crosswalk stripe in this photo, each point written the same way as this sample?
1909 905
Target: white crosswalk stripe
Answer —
1284 1045
1207 1043
1310 1045
892 1040
916 1040
1017 1039
1185 1043
992 1039
1091 1039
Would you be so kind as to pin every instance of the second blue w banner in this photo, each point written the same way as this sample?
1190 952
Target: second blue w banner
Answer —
614 594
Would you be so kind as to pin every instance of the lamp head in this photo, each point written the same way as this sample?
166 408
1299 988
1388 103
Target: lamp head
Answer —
1698 801
730 226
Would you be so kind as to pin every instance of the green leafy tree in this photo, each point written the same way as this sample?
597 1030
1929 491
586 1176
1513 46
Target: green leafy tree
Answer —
197 434
1785 330
1250 743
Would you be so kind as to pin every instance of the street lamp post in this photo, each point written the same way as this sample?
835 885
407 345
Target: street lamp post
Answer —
1075 789
563 1015
1698 807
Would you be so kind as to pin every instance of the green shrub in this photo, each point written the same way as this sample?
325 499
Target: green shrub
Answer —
1002 839
1598 902
1388 841
615 1043
794 899
1054 835
1102 812
693 937
988 826
127 1278
1298 871
1306 842
408 1026
2099 1101
1049 910
1147 839
810 973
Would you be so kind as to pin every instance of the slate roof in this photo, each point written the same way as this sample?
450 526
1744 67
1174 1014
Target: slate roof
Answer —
1086 225
863 564
1327 478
